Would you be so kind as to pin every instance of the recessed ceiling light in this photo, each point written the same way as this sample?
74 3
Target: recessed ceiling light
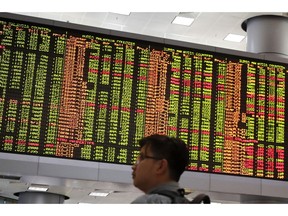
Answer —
122 13
234 38
215 202
84 203
187 21
99 194
34 188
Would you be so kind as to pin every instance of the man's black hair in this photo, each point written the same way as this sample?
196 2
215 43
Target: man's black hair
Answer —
174 150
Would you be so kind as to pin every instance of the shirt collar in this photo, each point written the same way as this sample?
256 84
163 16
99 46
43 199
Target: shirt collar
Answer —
172 186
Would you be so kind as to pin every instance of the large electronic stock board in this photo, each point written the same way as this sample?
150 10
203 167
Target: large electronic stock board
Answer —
76 94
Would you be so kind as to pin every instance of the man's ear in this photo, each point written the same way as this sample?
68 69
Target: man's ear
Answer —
162 166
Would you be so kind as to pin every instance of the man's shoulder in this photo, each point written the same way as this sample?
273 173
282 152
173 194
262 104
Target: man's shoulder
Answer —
152 198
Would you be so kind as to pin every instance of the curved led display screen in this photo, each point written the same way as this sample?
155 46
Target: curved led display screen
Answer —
82 95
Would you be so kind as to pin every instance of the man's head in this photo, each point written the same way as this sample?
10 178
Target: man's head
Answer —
162 159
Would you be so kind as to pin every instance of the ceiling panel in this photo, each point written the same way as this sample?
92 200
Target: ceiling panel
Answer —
209 28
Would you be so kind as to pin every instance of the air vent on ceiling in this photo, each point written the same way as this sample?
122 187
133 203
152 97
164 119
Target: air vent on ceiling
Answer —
10 177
